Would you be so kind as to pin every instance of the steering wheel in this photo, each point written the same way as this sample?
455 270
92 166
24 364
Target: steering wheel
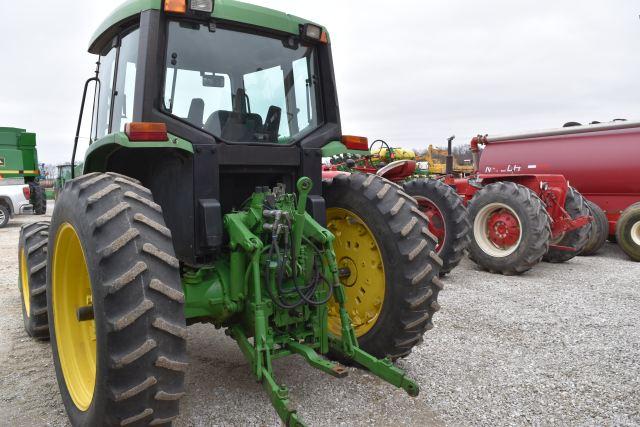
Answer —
383 144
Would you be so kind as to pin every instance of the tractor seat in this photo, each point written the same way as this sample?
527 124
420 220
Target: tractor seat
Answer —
196 112
234 126
397 170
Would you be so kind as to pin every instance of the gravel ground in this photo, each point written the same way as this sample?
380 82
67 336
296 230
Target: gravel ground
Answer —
557 346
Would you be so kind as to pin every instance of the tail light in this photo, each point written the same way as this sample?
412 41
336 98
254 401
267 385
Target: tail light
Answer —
180 6
175 6
355 142
27 192
142 131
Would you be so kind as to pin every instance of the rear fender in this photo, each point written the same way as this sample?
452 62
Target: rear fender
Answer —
336 148
99 152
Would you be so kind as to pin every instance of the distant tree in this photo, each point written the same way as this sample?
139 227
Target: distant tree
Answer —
462 153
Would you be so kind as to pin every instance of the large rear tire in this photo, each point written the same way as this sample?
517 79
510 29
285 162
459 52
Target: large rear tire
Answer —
32 279
576 239
628 231
115 305
599 230
448 218
510 228
382 238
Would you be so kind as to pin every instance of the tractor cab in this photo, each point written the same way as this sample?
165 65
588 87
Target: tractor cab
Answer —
224 97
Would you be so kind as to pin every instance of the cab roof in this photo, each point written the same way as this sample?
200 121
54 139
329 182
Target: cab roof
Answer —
230 10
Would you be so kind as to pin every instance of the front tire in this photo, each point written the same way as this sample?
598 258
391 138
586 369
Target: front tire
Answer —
448 218
510 228
628 231
115 305
32 280
382 238
576 239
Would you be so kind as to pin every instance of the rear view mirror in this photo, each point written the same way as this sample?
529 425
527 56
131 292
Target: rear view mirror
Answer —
212 80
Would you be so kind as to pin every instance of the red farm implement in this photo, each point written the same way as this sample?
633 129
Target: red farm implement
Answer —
516 218
601 160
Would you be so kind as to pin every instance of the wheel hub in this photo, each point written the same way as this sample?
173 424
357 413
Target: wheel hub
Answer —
503 229
359 253
350 270
497 230
436 220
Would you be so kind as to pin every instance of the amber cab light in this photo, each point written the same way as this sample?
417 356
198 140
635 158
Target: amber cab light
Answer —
355 142
142 131
175 6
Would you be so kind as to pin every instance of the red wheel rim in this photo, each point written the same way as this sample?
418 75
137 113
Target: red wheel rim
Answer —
436 220
503 229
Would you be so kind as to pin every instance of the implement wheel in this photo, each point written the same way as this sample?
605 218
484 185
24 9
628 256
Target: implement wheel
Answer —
448 218
115 305
628 231
32 280
599 230
388 263
511 228
576 239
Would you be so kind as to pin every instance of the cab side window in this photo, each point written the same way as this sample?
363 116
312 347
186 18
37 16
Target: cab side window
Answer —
102 101
125 82
113 102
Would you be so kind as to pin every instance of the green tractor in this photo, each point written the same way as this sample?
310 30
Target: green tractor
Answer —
202 199
63 174
19 159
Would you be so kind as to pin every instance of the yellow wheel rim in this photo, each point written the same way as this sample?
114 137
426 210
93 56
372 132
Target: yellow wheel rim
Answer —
358 251
76 341
24 278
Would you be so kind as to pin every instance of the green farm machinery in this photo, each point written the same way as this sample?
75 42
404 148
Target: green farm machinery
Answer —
63 174
202 200
19 159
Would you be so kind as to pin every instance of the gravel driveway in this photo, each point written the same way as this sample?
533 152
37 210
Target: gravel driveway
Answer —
559 345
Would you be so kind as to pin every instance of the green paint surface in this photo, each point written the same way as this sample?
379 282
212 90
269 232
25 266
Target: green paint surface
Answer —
100 150
335 148
17 152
